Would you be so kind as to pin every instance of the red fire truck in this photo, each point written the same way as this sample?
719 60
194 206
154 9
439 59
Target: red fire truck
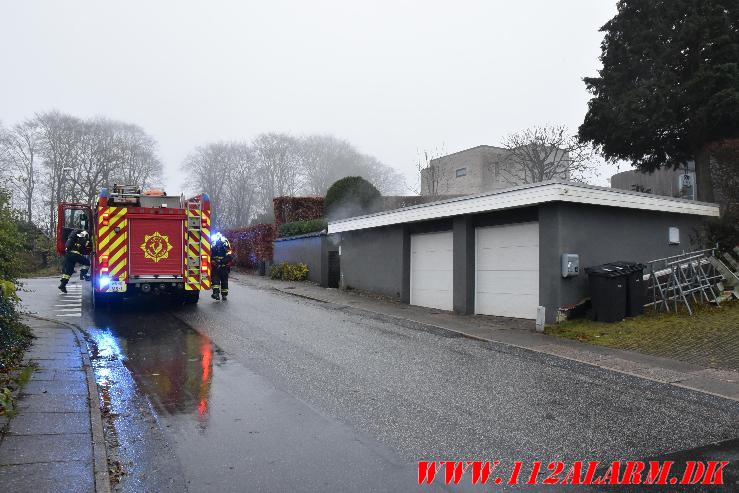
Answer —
144 242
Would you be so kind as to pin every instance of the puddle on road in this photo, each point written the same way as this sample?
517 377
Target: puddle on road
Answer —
148 365
175 369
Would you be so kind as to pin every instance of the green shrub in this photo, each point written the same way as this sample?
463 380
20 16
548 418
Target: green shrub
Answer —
350 196
295 272
302 227
14 335
288 271
37 255
11 240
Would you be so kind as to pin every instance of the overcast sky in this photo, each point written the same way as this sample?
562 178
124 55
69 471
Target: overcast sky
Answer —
391 77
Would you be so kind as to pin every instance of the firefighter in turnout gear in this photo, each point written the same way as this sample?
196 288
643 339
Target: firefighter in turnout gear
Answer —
221 258
77 248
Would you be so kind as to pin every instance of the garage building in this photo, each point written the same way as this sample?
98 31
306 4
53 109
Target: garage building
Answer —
499 253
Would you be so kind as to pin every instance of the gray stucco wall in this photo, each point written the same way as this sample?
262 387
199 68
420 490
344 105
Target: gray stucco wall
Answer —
307 250
378 259
374 260
598 235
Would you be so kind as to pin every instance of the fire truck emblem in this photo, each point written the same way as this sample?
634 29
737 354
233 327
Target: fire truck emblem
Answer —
156 246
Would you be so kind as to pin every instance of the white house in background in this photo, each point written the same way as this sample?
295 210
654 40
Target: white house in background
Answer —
476 170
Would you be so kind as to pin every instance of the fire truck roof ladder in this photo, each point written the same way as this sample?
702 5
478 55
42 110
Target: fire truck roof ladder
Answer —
126 189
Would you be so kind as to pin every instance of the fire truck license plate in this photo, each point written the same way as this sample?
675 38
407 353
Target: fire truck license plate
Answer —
117 286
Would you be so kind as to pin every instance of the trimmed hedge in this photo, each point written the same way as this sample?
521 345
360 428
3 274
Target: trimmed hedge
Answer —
302 227
293 209
252 245
288 271
352 188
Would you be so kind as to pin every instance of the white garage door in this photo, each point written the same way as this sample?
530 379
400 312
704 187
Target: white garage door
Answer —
507 270
431 270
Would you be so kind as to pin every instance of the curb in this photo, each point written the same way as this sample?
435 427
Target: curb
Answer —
440 330
99 449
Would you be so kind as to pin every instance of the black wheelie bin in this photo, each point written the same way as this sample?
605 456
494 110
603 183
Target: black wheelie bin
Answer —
636 288
607 292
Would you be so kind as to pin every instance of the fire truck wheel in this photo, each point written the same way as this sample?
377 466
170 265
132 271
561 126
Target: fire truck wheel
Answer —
190 297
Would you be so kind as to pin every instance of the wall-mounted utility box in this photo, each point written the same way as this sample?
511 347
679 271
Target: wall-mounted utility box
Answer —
673 236
570 264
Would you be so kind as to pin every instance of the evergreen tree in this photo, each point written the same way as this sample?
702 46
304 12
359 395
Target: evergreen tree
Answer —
669 86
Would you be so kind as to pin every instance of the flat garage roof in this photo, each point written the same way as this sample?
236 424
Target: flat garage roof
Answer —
522 196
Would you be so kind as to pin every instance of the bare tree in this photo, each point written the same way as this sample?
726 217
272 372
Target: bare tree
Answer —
241 186
97 158
60 138
136 153
243 179
325 159
386 179
19 155
55 157
111 152
228 172
208 169
434 177
279 167
540 154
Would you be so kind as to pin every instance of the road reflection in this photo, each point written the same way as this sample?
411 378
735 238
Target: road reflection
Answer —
180 416
172 364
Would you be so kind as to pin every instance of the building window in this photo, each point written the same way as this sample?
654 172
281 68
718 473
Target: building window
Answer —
461 172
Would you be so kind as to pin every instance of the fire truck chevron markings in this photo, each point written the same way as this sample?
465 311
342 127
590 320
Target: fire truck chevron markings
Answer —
105 236
117 242
118 267
117 255
112 233
107 232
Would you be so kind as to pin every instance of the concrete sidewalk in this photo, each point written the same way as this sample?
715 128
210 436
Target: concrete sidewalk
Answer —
55 442
516 333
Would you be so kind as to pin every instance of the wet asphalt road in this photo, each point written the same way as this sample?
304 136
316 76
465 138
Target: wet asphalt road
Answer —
270 392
